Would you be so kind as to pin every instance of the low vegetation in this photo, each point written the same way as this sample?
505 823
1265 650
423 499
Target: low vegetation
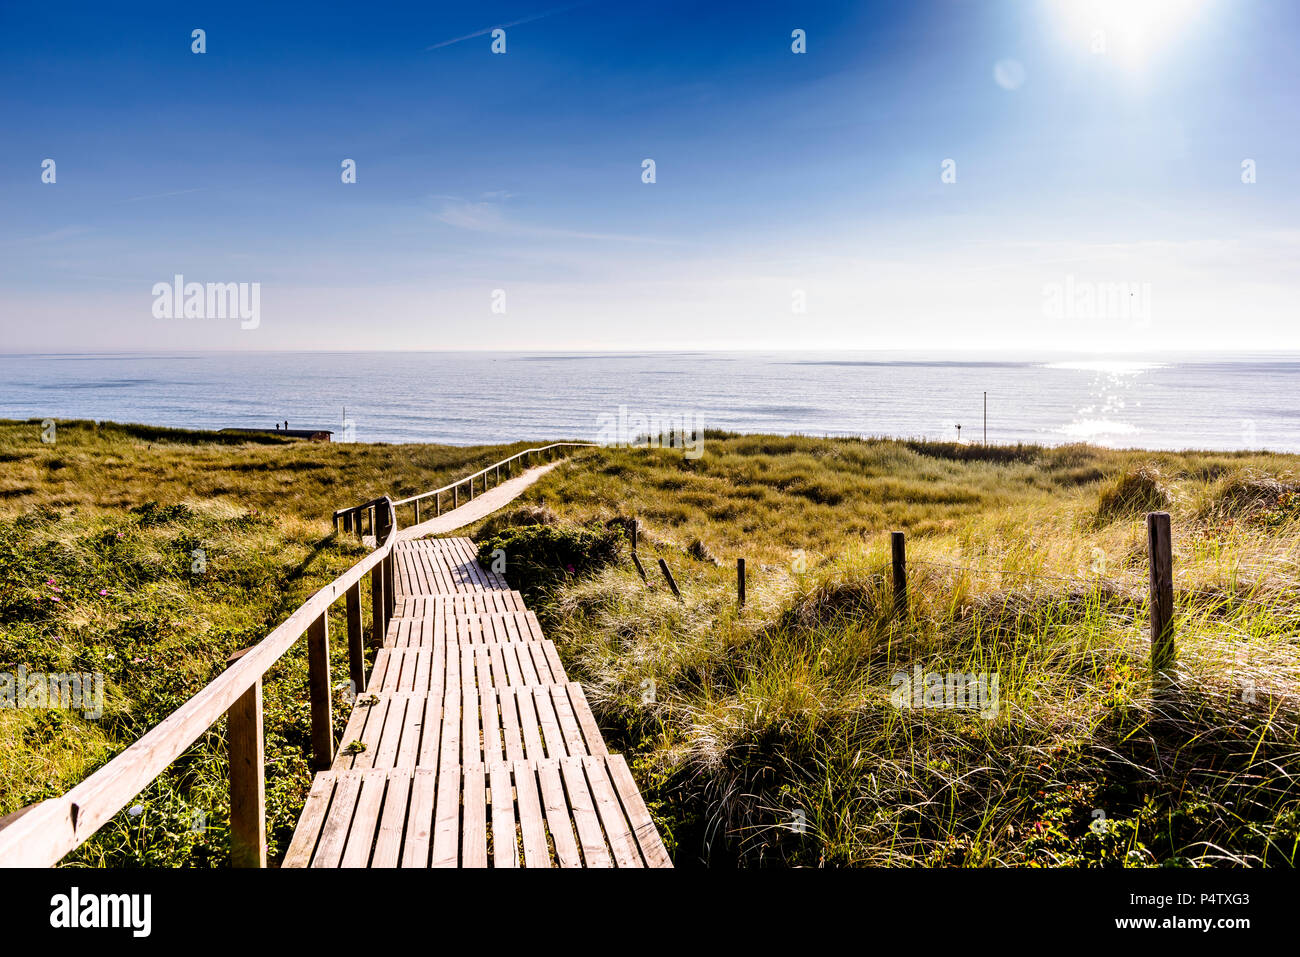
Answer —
773 734
769 735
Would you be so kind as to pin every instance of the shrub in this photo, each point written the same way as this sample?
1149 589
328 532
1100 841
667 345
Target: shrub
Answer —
539 555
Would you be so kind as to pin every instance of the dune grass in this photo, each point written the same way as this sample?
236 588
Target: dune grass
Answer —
768 736
149 556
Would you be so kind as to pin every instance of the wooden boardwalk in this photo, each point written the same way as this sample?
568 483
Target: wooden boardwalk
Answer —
475 750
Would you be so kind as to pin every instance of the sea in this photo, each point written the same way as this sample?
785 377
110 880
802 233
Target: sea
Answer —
1168 401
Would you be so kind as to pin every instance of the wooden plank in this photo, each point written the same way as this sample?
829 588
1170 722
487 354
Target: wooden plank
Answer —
491 725
412 727
334 833
431 731
529 726
307 833
365 820
505 843
569 730
557 814
586 720
590 836
617 831
508 706
446 821
474 841
531 828
385 749
419 818
643 828
392 824
550 726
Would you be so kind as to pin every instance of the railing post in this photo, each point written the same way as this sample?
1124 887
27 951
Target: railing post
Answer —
390 592
898 549
347 521
1161 554
471 488
377 606
356 647
247 779
455 497
318 681
417 511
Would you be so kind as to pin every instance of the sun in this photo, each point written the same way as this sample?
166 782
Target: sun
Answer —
1130 30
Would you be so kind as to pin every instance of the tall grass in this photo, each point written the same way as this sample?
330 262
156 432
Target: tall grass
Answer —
768 735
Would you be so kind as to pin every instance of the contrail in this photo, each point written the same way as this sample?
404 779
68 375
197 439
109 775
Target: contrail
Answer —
487 30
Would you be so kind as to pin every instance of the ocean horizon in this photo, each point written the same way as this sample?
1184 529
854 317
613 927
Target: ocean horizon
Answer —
1243 401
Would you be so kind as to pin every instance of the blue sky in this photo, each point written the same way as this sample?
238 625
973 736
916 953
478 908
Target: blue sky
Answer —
783 180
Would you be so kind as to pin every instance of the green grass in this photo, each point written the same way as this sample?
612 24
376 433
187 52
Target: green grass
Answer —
762 737
770 737
100 533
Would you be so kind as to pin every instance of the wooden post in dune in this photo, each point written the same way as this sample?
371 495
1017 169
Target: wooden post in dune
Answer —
639 570
318 682
1161 554
740 581
898 551
356 644
417 511
247 778
632 532
668 576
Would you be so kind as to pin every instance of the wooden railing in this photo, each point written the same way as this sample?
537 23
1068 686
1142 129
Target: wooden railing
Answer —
350 518
40 835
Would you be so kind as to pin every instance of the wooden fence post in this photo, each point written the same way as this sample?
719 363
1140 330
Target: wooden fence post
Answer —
356 646
639 570
417 511
437 504
318 680
740 581
633 532
663 567
898 549
377 607
247 779
390 592
1161 554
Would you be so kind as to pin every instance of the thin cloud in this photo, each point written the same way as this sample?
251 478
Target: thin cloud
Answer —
489 218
